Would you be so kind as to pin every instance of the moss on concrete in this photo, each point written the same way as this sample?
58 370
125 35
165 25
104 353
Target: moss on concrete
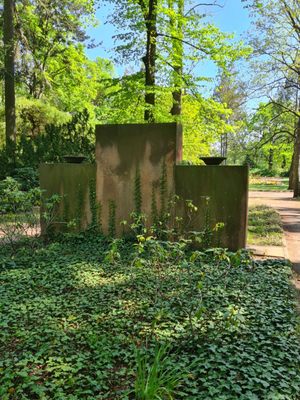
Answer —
121 151
71 181
227 189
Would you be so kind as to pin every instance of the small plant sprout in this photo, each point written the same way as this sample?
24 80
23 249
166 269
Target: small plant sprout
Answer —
156 377
112 256
123 225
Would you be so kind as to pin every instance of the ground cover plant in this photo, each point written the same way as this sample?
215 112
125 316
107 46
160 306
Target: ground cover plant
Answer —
87 318
264 226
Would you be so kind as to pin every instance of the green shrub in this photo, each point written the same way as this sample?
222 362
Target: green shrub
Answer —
264 172
73 137
14 200
28 177
20 211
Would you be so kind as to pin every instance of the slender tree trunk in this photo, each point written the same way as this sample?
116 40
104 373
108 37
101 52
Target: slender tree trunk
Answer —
176 25
293 167
224 144
291 172
9 76
150 60
296 166
177 102
270 160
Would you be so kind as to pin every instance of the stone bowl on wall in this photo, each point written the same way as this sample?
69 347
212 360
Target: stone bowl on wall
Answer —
74 159
212 160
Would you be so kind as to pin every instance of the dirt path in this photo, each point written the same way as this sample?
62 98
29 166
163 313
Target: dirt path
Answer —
289 210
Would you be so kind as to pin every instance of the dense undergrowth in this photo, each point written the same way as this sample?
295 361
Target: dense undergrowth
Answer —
86 318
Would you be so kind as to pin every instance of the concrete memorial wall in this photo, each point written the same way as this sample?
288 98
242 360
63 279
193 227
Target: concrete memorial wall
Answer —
74 183
129 153
132 161
221 195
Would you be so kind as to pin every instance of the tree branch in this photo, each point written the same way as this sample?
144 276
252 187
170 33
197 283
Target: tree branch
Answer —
297 114
214 4
185 42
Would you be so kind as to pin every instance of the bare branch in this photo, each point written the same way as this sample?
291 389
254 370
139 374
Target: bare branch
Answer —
214 4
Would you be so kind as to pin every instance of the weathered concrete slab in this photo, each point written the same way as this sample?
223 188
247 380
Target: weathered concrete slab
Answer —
136 171
125 151
73 182
227 189
268 251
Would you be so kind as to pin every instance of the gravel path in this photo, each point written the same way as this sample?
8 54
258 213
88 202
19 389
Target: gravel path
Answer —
289 210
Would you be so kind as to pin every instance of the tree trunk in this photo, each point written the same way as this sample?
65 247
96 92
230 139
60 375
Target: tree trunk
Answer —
9 76
291 172
270 160
296 166
224 145
293 168
177 102
150 60
176 25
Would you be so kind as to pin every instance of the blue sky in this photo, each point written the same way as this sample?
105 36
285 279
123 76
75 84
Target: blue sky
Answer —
232 17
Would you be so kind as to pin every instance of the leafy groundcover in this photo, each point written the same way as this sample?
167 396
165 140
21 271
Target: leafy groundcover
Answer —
74 314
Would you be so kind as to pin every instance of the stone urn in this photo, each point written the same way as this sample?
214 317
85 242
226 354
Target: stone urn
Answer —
212 160
74 159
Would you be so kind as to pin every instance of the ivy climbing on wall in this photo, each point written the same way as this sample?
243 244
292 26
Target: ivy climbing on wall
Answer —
80 205
112 218
66 209
154 211
137 192
95 207
163 190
